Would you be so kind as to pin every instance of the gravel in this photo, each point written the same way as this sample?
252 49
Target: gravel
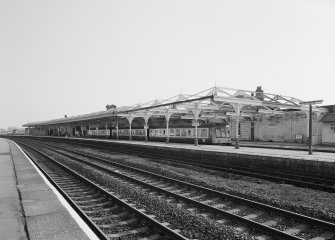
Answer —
191 225
310 202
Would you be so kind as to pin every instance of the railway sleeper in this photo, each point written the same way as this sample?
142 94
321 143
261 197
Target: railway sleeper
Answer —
163 185
70 188
241 229
130 232
179 190
223 205
263 237
97 205
94 195
188 193
325 236
254 215
273 222
72 183
237 209
199 196
92 200
60 178
213 200
86 191
171 188
297 229
108 209
137 177
114 216
129 221
152 237
223 221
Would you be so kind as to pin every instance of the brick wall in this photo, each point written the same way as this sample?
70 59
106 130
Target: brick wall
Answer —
283 127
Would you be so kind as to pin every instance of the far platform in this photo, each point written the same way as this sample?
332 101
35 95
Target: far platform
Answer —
320 164
289 146
246 148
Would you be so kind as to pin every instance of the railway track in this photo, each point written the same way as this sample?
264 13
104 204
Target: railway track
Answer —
294 179
217 206
317 183
108 215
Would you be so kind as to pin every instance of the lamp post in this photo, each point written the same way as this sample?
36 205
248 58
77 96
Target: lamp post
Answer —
310 122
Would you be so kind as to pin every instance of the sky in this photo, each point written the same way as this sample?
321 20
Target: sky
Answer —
76 56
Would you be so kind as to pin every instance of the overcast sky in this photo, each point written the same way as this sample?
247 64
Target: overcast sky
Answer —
74 57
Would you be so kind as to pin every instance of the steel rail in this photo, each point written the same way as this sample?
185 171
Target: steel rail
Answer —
254 224
261 174
280 177
170 233
87 220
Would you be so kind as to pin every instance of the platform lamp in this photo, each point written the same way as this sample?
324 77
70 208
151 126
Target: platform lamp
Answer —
310 121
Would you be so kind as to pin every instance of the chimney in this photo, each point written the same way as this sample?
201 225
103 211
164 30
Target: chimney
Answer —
260 93
110 106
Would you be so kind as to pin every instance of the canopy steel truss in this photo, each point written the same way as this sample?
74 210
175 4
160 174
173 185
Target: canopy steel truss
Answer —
215 102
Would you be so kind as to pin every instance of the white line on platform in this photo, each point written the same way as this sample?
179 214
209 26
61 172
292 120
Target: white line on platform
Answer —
72 212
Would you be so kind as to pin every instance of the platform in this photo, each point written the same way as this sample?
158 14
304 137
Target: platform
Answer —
29 208
245 149
317 164
289 146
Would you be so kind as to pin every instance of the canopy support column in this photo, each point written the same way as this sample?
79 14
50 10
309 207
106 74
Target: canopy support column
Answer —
117 129
130 119
106 129
146 126
307 124
310 129
310 122
97 128
167 118
196 112
237 108
81 129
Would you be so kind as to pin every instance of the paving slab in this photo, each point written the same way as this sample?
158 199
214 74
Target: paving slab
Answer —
27 202
11 215
4 147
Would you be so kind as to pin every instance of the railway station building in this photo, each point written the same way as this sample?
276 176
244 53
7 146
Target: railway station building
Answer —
229 115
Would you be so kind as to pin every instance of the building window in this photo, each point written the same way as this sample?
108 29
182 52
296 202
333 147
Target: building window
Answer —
332 126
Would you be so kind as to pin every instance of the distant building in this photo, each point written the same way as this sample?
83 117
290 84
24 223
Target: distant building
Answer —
328 127
19 131
291 126
10 129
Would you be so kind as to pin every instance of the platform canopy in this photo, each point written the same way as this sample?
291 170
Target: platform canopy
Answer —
215 102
